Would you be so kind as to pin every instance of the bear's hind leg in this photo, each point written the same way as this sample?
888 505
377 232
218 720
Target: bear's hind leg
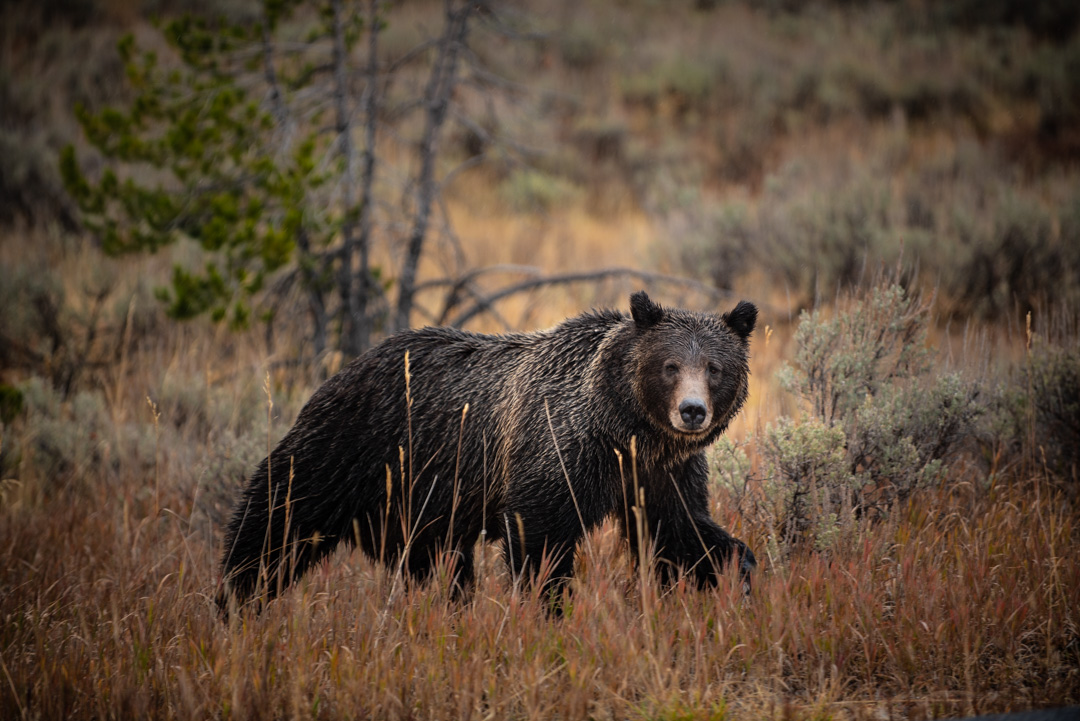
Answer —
463 575
540 555
459 560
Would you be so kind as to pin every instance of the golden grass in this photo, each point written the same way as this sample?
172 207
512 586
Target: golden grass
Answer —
963 601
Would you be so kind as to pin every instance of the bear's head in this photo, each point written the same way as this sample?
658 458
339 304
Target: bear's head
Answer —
691 368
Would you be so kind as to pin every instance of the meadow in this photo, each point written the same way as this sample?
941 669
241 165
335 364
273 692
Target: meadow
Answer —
903 207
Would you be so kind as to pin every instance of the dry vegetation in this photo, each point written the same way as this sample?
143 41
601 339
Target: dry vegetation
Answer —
914 510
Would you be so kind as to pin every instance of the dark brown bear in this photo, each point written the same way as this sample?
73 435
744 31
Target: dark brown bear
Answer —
535 462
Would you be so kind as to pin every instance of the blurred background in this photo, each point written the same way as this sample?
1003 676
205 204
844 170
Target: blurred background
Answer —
182 176
777 150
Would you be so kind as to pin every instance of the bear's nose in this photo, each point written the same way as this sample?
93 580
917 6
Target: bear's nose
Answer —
693 412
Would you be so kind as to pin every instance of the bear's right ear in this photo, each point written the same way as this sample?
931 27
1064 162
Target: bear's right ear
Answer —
646 313
742 319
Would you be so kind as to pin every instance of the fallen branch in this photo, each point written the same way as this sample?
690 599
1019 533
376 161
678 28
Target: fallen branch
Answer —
484 303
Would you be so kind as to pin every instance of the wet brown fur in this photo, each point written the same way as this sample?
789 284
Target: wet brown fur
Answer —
569 397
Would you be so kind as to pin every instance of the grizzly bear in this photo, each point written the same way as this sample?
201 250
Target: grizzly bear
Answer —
439 437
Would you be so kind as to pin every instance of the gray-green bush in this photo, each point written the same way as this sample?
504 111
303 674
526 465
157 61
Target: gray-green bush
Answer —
73 443
995 247
882 421
1036 411
867 371
852 354
533 191
808 481
1053 375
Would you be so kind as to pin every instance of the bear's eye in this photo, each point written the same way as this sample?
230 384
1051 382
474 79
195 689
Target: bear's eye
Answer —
671 368
714 370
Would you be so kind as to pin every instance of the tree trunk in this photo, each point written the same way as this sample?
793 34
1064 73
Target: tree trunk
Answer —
365 288
351 326
316 301
436 101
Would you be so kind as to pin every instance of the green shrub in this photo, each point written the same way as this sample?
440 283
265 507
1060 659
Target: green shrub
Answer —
882 424
11 406
843 359
835 237
1056 81
808 481
33 299
690 85
743 145
230 458
811 242
643 88
600 139
1011 263
187 402
73 442
730 466
717 242
900 438
1068 244
993 249
1037 411
1054 377
11 403
1055 19
65 437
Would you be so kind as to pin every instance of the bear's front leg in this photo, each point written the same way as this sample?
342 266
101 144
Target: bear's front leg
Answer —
687 539
721 546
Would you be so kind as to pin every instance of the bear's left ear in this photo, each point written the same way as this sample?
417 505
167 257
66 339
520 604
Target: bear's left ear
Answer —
646 313
742 319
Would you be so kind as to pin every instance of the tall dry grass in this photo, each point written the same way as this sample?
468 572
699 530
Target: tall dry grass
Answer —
962 600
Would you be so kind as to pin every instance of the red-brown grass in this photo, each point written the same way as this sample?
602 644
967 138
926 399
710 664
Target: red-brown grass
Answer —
962 601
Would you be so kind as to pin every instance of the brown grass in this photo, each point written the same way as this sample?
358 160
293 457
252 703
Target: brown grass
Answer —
964 600
961 603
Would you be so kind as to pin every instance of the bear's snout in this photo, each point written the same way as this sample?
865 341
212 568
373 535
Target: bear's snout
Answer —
690 410
693 412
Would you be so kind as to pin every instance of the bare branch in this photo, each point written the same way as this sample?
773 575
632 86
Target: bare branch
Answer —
523 150
476 273
460 259
409 56
483 76
460 168
499 19
581 277
277 101
476 295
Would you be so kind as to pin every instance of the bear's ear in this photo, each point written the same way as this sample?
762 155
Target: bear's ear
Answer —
742 319
646 313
